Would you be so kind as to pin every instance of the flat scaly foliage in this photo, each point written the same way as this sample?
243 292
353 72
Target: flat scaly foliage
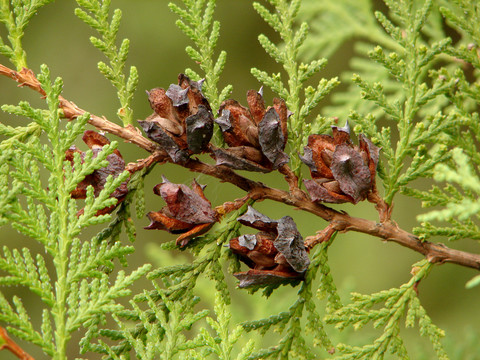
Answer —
410 89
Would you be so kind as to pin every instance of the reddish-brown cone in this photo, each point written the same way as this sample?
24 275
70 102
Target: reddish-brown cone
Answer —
182 122
97 179
256 135
275 255
188 211
341 172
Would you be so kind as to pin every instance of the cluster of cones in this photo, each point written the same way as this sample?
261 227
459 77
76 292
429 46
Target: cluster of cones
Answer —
256 136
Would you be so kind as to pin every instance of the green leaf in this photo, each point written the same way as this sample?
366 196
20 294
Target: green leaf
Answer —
96 15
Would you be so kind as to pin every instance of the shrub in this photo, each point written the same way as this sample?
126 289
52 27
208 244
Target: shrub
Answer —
400 120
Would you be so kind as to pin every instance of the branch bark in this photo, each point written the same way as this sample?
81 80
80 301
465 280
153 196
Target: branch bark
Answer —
386 229
8 344
340 221
71 111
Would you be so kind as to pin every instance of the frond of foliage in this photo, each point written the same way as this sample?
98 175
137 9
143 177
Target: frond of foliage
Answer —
43 210
408 89
282 19
400 303
459 206
95 14
412 116
332 26
334 23
196 21
16 17
405 92
79 288
171 307
164 323
303 314
458 199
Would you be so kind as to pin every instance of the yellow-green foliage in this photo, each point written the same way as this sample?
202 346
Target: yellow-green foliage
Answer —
409 88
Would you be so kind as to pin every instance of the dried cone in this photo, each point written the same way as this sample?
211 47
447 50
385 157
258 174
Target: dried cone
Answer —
341 172
275 255
188 211
97 179
256 135
182 122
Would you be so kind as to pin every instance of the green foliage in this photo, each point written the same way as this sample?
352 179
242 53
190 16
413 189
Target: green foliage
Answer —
95 13
164 325
171 306
458 200
78 289
165 322
402 85
282 20
466 206
222 344
404 90
331 26
196 21
399 302
15 17
294 342
414 112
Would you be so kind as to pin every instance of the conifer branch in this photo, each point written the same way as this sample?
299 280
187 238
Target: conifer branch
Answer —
399 302
283 22
79 290
196 21
26 77
429 105
6 343
435 252
95 14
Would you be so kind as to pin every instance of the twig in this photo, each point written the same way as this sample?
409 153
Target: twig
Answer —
339 221
11 346
230 206
292 181
320 236
383 209
386 229
26 77
156 157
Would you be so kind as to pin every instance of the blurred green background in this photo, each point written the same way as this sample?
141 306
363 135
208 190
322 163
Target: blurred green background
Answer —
57 38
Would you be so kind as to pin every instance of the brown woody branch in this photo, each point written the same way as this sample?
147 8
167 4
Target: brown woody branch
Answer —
323 235
340 221
157 157
8 344
26 77
386 229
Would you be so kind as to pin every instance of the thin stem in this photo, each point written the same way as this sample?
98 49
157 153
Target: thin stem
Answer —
340 221
61 258
320 237
15 35
411 83
386 229
8 344
157 157
71 111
